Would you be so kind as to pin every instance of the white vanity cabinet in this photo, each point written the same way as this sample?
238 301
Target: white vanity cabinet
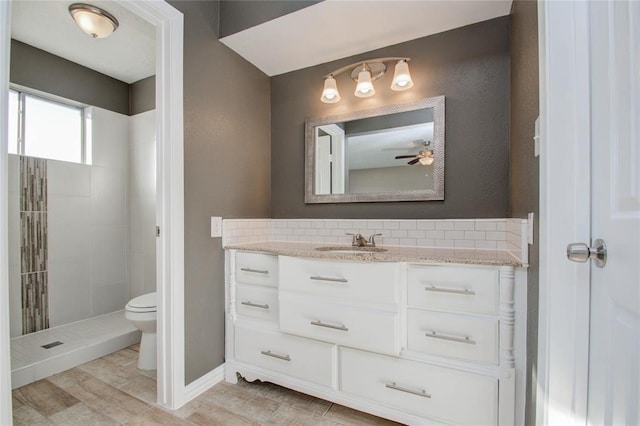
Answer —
416 343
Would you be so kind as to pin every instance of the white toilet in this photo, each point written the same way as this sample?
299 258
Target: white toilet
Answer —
141 312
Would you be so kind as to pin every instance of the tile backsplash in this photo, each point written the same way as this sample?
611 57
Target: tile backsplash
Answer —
492 234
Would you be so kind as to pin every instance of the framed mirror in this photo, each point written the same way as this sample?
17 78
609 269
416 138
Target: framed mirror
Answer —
392 153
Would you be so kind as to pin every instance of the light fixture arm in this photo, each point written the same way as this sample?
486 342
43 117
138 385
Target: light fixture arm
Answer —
350 67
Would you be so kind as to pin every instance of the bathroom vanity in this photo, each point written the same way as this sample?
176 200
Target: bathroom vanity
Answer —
416 335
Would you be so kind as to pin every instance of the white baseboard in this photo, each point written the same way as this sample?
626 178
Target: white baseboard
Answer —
199 386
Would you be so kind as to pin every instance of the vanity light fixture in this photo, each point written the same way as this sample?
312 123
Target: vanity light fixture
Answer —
364 73
96 22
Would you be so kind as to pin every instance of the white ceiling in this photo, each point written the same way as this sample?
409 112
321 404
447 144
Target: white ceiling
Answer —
335 29
127 55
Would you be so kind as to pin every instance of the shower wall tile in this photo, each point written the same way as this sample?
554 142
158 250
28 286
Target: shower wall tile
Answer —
109 298
33 241
15 300
66 178
112 129
69 290
35 302
14 228
33 184
69 227
108 196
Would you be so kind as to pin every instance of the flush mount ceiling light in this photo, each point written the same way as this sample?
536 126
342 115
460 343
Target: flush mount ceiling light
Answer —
364 73
96 22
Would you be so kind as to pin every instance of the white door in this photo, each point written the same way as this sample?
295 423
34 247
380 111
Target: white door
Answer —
614 342
323 164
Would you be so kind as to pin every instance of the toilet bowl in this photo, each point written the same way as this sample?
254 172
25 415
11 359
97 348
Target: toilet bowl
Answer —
141 312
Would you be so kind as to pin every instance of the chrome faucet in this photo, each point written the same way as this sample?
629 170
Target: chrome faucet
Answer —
359 241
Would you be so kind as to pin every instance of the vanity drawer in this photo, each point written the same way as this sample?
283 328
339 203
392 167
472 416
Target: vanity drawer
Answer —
437 393
461 289
257 268
341 324
257 302
359 281
305 359
456 336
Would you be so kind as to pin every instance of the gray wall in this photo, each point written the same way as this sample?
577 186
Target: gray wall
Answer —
142 95
238 15
34 68
227 160
524 179
37 69
469 66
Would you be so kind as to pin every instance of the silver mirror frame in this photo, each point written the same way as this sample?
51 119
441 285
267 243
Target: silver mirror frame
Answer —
437 193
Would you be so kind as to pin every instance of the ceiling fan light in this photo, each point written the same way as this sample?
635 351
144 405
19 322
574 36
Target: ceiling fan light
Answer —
364 88
426 161
96 22
401 77
330 94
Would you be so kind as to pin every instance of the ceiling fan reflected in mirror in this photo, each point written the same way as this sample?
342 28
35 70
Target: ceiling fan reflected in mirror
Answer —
424 157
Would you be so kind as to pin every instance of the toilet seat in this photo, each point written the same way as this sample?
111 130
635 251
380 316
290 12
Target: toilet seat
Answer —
145 303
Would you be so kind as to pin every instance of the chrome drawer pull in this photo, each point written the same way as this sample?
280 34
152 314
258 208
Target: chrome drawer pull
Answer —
465 339
255 305
271 354
324 324
450 290
255 271
333 280
423 393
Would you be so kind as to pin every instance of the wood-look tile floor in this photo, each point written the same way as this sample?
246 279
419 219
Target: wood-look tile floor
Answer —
112 391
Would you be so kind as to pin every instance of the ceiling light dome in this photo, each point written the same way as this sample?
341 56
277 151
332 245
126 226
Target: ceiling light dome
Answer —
96 22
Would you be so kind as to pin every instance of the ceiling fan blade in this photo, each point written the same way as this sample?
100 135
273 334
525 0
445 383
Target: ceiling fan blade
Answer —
414 161
404 156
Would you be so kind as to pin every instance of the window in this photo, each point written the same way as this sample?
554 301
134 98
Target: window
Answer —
44 128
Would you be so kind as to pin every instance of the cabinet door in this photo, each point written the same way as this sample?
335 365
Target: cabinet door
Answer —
257 302
294 356
341 324
459 289
466 337
437 393
257 269
368 282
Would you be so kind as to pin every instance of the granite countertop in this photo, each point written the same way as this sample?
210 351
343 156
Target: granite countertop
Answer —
393 253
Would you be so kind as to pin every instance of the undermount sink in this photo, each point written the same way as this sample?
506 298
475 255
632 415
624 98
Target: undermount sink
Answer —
352 249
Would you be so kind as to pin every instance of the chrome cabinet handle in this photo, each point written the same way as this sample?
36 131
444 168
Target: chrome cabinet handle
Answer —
333 280
324 324
423 393
272 355
255 305
450 290
435 335
255 271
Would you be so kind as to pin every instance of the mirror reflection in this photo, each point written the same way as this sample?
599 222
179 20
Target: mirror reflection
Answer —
392 153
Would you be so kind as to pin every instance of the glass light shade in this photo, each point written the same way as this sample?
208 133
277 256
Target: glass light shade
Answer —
92 20
401 77
364 88
330 94
426 161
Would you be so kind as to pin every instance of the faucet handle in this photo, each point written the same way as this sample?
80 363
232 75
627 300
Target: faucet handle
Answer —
372 239
353 238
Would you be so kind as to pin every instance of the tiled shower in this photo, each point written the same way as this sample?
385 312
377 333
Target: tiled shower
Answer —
81 239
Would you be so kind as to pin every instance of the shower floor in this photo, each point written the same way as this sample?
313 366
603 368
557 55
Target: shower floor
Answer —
82 341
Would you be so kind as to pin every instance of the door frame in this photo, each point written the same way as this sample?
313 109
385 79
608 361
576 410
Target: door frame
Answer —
169 206
565 217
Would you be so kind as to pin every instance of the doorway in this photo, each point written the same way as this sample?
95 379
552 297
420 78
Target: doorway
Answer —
169 131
